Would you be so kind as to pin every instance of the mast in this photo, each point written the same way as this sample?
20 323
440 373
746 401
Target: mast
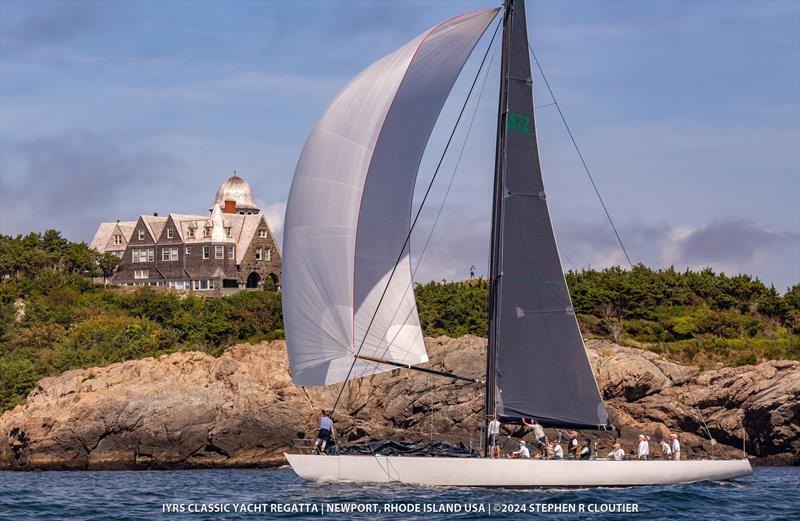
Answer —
535 345
490 406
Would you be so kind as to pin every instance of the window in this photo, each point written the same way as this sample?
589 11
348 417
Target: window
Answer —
262 234
219 251
117 240
179 284
228 232
170 232
258 253
188 250
191 233
141 235
151 255
206 231
206 252
141 274
169 254
202 285
119 253
231 252
268 256
142 255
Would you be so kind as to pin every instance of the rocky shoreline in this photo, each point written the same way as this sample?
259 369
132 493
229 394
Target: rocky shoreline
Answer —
191 410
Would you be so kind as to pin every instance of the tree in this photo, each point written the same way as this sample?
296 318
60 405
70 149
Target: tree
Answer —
108 263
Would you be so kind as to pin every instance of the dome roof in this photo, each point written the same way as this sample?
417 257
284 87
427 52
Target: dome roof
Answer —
236 189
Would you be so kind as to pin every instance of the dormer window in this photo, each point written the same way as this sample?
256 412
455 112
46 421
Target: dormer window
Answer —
228 232
191 233
170 233
117 240
206 231
141 235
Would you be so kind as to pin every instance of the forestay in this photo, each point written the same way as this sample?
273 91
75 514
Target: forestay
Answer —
349 209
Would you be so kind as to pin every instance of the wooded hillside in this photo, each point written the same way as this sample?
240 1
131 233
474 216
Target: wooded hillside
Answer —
54 318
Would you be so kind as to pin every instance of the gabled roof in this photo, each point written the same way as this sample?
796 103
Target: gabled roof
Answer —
250 224
155 225
126 228
102 235
179 219
106 230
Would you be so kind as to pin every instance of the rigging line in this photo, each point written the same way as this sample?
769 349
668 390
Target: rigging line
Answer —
580 155
697 409
446 194
419 211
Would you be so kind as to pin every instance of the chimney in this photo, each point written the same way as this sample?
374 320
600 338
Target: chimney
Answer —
230 206
155 214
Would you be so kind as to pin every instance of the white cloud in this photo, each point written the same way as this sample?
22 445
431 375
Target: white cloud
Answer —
275 212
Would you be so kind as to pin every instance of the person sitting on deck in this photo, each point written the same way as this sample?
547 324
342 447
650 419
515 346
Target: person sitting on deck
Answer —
494 433
538 433
523 452
558 452
586 450
617 454
666 451
676 448
643 450
325 433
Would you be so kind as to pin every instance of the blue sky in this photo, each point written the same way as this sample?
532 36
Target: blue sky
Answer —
688 114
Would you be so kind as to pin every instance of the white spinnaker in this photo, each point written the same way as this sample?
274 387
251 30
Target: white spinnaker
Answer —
349 210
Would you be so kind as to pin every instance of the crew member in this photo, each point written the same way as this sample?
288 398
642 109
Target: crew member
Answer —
676 448
617 454
538 433
523 451
558 452
586 450
494 432
572 445
643 449
325 433
666 451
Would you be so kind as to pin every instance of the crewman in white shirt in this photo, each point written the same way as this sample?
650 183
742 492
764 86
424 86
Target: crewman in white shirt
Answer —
494 432
617 454
523 451
643 450
558 452
676 448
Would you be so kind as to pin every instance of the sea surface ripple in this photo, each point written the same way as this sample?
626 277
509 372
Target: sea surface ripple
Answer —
769 494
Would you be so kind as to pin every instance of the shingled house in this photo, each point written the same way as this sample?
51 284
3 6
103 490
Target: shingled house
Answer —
231 247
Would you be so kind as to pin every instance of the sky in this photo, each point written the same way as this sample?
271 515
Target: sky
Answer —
687 113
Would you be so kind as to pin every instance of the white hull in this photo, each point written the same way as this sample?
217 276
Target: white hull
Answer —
480 472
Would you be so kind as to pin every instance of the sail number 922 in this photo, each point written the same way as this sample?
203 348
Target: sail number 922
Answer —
519 123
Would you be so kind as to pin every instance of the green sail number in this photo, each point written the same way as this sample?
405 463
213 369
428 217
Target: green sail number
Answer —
519 123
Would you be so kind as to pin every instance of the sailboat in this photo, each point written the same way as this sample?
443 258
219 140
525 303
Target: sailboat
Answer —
348 298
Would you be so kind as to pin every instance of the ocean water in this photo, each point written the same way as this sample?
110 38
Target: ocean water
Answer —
769 494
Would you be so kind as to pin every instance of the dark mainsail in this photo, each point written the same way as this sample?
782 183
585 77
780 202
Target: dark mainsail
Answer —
537 366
